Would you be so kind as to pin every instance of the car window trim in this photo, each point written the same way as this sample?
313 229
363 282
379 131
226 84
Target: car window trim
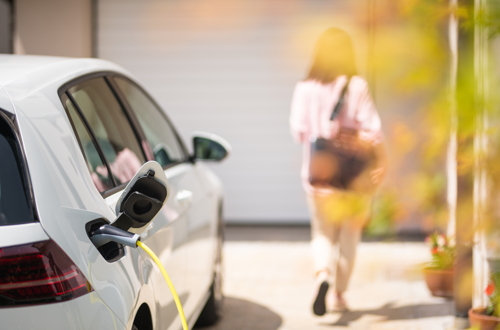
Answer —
63 97
111 191
11 121
104 74
64 90
146 148
133 121
186 158
139 135
78 80
92 136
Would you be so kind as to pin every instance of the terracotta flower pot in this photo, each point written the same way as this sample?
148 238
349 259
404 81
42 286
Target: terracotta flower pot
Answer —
477 318
439 282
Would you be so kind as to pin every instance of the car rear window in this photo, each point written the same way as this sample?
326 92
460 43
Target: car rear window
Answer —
14 203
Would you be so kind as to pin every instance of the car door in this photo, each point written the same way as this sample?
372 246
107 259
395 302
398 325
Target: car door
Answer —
114 151
190 194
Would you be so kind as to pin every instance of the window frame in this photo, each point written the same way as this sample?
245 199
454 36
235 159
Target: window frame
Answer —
79 113
119 92
144 146
64 90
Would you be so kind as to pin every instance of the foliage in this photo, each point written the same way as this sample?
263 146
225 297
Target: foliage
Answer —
421 69
493 292
442 250
386 209
417 72
412 61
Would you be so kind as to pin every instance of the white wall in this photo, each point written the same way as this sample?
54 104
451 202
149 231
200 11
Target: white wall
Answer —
53 27
229 67
5 27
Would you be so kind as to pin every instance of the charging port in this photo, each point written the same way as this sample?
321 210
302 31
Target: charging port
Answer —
111 251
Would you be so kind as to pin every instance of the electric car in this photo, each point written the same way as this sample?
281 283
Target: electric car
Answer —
74 135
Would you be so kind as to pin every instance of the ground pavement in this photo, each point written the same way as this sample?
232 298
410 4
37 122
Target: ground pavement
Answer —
268 285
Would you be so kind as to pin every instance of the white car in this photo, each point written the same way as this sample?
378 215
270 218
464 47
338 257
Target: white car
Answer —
73 134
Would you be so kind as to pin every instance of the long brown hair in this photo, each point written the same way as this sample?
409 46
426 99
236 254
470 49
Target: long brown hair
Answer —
333 56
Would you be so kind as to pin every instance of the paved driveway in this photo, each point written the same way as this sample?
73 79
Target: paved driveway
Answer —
268 285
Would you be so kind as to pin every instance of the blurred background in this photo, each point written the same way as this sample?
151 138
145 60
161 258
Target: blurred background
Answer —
230 67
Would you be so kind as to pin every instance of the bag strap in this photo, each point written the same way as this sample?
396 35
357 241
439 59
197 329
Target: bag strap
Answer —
340 103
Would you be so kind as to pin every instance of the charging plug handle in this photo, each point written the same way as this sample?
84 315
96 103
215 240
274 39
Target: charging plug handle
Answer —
108 233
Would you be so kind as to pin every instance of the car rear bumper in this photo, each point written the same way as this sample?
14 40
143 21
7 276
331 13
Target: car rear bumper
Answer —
84 313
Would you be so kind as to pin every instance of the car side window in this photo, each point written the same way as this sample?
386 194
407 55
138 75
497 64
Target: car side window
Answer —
15 206
111 128
160 134
98 170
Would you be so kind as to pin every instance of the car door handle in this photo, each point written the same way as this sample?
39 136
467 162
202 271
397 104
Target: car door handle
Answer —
184 196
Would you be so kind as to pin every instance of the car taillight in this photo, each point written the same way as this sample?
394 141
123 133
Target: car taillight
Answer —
38 273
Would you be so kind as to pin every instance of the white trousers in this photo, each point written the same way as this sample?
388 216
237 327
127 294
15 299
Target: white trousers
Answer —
336 224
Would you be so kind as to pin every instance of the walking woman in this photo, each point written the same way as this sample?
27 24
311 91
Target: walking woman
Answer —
337 215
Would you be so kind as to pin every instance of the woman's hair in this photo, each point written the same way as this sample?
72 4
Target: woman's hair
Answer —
333 56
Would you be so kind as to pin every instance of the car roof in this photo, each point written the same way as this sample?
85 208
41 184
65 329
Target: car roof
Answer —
16 67
30 73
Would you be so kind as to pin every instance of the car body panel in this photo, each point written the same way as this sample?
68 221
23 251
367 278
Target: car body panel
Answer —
22 234
203 218
5 102
166 235
84 313
182 234
67 198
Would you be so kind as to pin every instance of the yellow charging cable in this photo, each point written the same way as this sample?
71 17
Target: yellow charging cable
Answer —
170 285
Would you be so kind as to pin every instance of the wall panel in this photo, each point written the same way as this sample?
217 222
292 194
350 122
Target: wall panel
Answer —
229 67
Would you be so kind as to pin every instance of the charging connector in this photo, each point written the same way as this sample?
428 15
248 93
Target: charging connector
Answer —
108 233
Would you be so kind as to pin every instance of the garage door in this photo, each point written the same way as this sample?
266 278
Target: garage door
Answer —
229 67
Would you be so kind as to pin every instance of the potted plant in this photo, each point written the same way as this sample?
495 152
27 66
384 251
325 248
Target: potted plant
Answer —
438 273
488 318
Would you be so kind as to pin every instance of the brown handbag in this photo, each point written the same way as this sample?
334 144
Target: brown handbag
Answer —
344 162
